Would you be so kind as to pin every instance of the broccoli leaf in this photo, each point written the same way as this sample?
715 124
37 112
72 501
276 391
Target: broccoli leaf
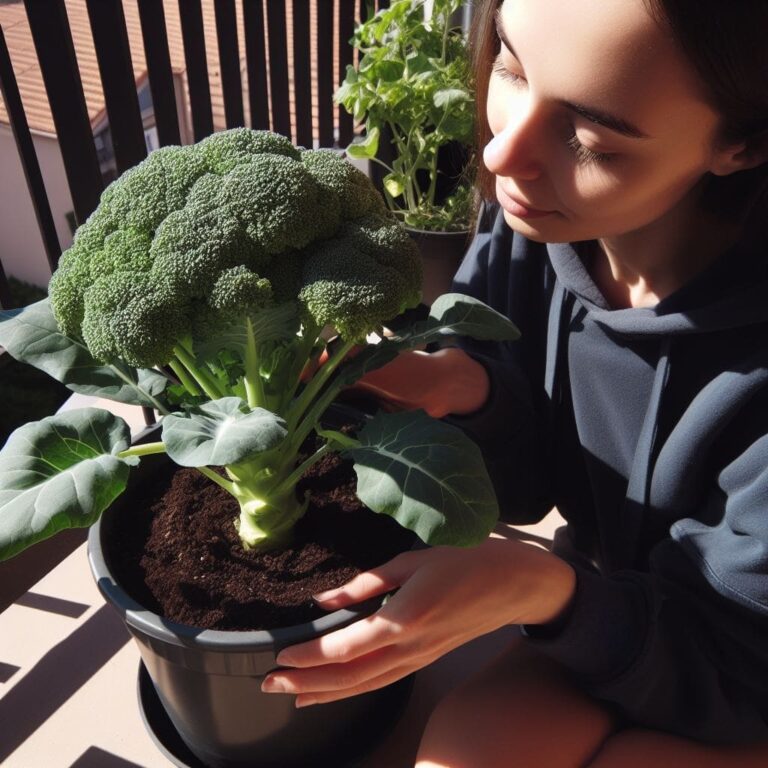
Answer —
452 314
221 432
32 336
60 472
427 475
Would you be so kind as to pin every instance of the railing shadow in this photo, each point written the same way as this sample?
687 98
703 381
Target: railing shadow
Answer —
57 676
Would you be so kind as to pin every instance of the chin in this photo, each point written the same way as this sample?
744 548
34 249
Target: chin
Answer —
539 232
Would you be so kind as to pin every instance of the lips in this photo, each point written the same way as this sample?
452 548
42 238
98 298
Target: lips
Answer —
518 207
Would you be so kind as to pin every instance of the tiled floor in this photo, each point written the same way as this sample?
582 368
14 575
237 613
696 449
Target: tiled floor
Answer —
68 678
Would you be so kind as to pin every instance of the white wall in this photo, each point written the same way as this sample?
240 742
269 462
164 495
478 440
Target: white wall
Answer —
21 244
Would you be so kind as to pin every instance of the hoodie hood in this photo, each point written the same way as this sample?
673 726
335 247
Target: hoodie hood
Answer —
731 293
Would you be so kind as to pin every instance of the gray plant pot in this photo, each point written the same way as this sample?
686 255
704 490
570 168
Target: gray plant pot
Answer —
209 682
441 254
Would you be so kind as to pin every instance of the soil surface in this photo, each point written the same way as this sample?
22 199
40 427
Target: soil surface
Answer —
176 550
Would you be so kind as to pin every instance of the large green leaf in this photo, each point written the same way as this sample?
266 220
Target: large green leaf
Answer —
427 475
32 336
221 432
60 472
452 314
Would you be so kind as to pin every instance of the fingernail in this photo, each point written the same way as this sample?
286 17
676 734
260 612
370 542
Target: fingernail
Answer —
273 685
303 703
284 659
323 595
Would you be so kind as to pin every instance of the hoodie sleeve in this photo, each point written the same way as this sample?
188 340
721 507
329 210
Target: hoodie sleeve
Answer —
683 646
511 427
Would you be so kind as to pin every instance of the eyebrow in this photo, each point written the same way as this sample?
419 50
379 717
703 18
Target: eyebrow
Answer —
592 114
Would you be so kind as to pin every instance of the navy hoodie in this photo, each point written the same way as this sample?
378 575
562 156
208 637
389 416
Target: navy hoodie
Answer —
648 429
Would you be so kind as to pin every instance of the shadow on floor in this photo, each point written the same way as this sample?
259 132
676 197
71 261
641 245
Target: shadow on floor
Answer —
57 676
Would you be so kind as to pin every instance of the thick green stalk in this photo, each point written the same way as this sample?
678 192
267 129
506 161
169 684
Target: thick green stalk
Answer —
186 380
207 383
289 483
254 387
218 479
316 384
147 449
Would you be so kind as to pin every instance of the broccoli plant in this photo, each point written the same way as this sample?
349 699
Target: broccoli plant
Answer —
206 281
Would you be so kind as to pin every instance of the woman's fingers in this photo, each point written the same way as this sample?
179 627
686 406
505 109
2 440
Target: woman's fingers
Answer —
358 639
391 676
350 678
377 581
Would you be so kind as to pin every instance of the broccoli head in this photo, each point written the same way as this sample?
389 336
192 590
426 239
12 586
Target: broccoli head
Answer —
241 218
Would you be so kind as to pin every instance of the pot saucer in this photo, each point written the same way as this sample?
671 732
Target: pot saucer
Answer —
168 741
159 725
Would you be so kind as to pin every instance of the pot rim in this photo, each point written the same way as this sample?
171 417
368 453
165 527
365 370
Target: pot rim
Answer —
143 620
439 232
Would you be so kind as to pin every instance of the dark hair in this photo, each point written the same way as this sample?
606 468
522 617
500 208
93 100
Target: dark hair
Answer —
725 42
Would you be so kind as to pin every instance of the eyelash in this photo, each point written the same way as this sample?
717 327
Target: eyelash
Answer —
584 156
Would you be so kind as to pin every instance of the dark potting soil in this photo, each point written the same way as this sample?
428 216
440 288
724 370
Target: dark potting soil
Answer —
176 550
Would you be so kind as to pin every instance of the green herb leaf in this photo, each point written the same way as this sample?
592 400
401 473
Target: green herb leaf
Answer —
60 472
450 97
221 432
367 148
427 475
394 184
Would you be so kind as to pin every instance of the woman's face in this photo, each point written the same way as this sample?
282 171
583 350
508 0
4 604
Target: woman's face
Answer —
600 125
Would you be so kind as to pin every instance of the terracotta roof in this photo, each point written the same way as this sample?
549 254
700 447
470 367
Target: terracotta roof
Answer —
13 20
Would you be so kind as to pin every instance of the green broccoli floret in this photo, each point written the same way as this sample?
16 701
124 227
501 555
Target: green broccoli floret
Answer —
307 224
369 273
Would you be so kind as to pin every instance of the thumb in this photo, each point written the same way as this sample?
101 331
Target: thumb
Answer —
376 581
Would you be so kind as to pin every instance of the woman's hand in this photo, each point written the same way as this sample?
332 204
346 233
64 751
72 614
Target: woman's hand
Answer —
442 382
447 597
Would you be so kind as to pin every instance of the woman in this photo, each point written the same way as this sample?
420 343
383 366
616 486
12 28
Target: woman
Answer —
624 149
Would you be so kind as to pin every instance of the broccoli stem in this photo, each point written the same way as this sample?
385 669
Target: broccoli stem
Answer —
204 379
254 387
266 518
316 384
147 449
218 479
186 380
289 483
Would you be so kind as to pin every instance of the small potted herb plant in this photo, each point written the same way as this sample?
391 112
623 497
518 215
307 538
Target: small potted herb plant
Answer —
200 288
412 93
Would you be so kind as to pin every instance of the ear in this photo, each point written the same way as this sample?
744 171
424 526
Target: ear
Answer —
742 156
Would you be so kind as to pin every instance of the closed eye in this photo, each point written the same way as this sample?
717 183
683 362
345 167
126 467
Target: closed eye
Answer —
585 156
500 70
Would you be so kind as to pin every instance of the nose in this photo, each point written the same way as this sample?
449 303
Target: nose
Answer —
512 151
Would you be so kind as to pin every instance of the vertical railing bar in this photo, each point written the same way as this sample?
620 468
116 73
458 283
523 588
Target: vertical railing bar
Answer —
56 53
229 62
302 74
6 302
149 416
346 30
278 67
29 162
113 54
157 54
324 46
193 35
256 63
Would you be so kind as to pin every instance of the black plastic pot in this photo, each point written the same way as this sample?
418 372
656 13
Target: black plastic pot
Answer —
209 682
441 254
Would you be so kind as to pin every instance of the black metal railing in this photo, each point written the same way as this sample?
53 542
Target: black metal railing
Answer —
270 91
